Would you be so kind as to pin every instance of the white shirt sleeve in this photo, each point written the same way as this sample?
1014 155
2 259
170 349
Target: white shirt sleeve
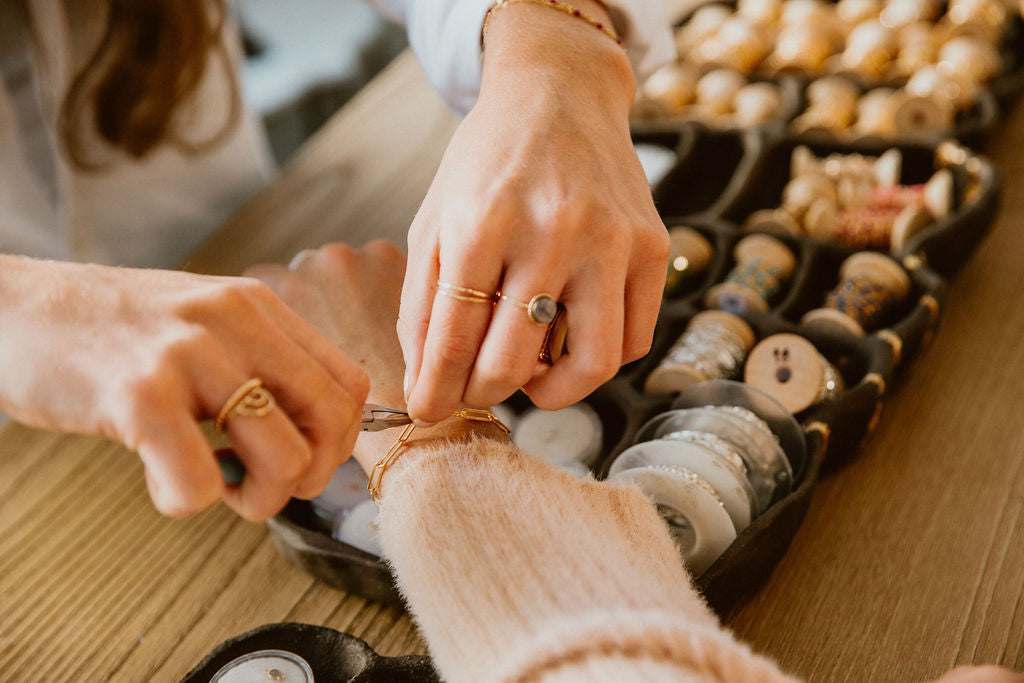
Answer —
445 35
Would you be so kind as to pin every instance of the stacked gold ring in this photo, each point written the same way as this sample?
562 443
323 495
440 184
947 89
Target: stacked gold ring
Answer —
542 308
465 293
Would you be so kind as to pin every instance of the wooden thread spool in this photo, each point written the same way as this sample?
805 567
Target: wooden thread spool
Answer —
869 50
831 104
673 86
738 44
757 103
900 13
917 47
712 347
877 227
790 369
969 57
703 24
801 49
871 284
853 12
884 170
717 90
690 254
773 221
802 191
876 112
763 266
761 12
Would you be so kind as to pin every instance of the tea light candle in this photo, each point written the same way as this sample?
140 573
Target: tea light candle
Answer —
265 665
573 433
358 528
345 490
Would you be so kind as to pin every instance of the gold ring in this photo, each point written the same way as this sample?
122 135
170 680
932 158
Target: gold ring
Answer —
464 293
554 338
251 399
300 258
542 308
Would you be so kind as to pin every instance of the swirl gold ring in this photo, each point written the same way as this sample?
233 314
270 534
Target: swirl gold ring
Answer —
464 293
251 400
542 308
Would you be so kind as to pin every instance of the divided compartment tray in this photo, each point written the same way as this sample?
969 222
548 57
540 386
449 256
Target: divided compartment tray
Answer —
972 127
833 432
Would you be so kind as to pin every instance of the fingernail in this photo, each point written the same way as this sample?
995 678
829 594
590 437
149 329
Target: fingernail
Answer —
405 385
422 423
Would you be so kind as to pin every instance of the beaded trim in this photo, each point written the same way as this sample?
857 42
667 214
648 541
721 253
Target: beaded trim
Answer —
710 349
553 4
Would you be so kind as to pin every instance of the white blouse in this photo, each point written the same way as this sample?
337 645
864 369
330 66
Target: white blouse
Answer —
155 211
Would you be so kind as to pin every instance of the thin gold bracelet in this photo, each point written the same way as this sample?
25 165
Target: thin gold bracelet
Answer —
377 473
561 7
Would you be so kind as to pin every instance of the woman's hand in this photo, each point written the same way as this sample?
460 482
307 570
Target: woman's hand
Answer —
540 191
140 355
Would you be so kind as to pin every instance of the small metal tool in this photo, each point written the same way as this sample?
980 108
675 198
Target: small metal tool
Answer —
376 418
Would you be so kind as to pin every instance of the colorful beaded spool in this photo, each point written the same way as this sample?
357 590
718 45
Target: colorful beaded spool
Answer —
871 284
764 265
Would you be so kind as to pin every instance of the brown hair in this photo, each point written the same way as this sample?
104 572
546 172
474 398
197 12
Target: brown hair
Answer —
149 62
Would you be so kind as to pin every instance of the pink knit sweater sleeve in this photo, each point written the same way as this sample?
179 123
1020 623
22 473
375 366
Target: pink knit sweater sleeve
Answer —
517 572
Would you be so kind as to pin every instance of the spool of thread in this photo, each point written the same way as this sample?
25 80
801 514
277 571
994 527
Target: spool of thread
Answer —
738 44
689 257
761 12
870 48
800 48
871 285
918 47
763 267
703 24
900 13
694 511
873 227
717 90
802 191
970 57
790 369
673 87
853 12
773 221
884 170
712 347
757 103
876 112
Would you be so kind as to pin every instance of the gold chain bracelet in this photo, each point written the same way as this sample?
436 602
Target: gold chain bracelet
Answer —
562 7
377 474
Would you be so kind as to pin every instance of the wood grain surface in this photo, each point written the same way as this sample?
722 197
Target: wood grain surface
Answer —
911 560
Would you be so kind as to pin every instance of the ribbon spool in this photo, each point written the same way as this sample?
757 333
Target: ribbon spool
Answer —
712 347
871 284
692 508
690 254
790 369
710 457
884 170
763 266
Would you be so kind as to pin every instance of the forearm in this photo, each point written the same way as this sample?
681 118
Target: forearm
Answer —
514 570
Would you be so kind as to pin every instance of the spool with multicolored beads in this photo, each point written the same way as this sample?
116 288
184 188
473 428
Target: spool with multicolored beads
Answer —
763 267
871 285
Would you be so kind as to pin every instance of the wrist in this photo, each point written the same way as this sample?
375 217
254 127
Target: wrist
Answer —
537 50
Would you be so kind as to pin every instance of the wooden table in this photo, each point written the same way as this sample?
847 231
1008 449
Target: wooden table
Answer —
910 561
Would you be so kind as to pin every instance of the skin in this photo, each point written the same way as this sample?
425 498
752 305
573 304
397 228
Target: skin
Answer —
540 190
338 284
140 355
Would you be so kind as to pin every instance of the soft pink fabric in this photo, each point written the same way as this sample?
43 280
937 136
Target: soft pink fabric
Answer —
517 572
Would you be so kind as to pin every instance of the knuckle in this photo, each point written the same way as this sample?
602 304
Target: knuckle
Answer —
336 253
456 350
600 367
636 349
